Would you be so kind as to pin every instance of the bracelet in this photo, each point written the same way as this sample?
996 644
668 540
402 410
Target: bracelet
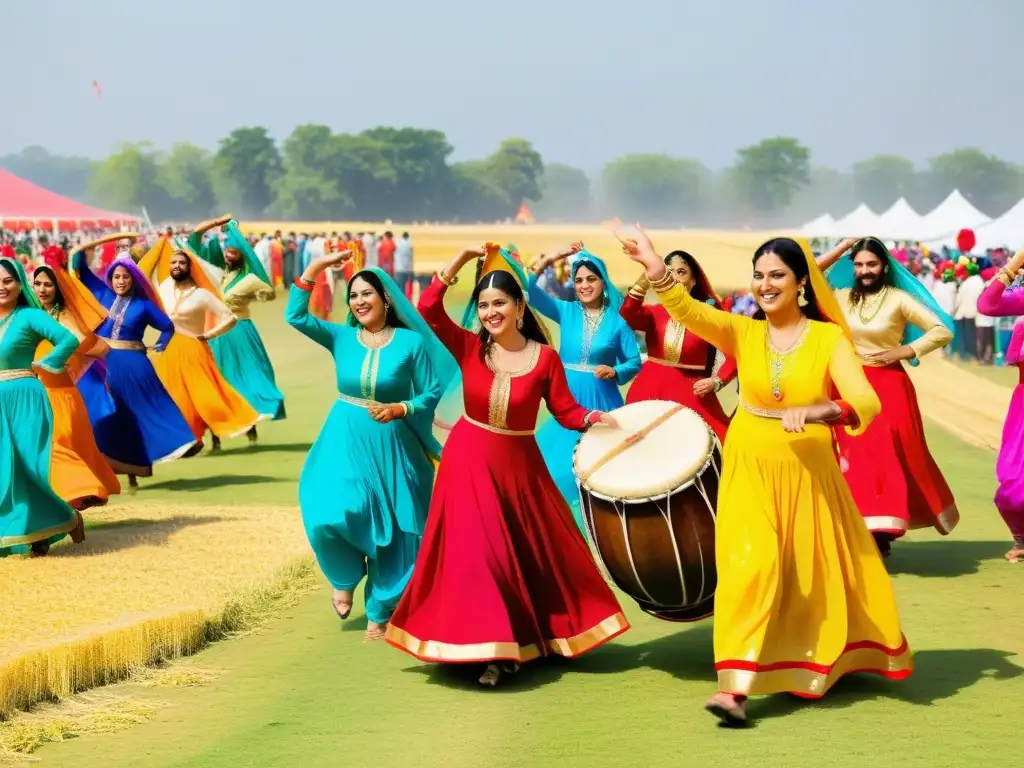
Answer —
588 419
449 281
663 285
718 383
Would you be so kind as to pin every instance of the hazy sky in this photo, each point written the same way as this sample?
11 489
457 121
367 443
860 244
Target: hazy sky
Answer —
585 81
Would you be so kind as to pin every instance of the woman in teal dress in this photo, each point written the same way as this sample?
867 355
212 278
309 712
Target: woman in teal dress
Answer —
32 516
599 351
239 353
365 487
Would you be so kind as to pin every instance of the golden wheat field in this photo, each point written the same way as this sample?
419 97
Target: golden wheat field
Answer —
725 255
149 583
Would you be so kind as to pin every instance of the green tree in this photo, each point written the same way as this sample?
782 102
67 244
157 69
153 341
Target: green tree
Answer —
422 176
991 184
247 165
769 174
516 168
185 177
660 188
366 177
565 194
309 187
881 180
827 191
128 179
68 176
476 195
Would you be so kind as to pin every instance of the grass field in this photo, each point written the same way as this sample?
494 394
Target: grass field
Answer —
303 692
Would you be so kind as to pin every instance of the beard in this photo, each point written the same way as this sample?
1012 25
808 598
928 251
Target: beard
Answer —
872 284
180 277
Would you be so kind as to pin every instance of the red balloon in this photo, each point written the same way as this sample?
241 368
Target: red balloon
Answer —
965 240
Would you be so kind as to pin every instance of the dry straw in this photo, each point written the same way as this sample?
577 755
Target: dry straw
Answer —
150 584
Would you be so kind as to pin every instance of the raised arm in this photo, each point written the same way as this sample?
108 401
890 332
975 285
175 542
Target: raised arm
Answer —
935 334
860 405
298 316
627 353
828 259
209 251
994 301
64 341
635 312
156 318
89 279
459 341
543 301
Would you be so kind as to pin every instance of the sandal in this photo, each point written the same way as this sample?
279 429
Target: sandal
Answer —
346 607
731 710
494 672
1015 555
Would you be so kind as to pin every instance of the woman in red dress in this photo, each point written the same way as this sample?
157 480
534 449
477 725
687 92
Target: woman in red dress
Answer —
503 574
680 366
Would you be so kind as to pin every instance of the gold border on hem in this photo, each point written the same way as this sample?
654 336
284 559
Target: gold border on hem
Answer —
436 651
32 538
885 523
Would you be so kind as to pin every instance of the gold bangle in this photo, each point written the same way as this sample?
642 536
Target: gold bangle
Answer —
1004 278
663 285
449 281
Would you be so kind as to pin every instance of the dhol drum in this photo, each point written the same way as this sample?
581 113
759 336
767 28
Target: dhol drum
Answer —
649 492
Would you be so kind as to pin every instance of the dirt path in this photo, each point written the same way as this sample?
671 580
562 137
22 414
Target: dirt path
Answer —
968 406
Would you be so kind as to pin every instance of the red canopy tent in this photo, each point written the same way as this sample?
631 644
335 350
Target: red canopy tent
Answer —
23 206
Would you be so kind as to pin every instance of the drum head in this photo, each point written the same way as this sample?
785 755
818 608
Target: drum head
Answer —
663 459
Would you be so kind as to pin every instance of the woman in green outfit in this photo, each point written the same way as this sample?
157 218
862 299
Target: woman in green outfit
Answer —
239 353
32 516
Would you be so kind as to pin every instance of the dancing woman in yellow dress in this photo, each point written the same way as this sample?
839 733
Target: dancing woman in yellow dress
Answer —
803 597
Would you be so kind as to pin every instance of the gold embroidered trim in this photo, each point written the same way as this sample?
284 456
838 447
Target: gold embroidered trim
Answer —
125 346
580 368
675 335
501 387
500 431
683 366
17 373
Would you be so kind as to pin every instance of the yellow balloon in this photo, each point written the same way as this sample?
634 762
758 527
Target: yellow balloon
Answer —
964 261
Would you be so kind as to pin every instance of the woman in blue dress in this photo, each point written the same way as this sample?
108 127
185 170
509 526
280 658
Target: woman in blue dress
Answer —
365 488
599 351
32 515
144 427
240 354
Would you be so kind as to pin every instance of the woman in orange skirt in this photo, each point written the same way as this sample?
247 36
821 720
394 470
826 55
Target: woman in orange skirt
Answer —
79 473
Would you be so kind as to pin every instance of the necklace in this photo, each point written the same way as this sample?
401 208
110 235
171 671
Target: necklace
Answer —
591 323
876 306
376 339
527 353
777 359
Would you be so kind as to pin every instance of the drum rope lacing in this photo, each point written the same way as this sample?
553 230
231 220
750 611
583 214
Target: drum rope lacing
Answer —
633 439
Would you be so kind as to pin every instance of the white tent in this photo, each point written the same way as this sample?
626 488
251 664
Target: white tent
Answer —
940 226
1007 230
860 222
900 222
820 227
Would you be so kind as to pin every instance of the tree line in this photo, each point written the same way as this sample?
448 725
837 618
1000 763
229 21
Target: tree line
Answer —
406 174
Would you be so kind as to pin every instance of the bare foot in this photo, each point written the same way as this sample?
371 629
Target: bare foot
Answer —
1015 554
342 603
730 709
374 632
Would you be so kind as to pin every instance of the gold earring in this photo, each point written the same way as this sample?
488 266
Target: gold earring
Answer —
801 299
519 323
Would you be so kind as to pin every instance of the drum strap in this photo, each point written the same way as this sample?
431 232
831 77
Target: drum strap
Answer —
633 439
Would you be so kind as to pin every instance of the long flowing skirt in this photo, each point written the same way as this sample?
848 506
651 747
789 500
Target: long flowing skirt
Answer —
206 400
371 528
665 382
1010 463
79 472
146 426
242 358
503 572
30 510
811 600
895 481
557 444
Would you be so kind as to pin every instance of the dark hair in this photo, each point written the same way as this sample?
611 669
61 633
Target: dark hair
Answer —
13 272
792 256
876 248
59 298
390 314
593 268
698 291
502 281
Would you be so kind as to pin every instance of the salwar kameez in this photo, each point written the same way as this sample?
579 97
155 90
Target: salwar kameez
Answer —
584 344
365 487
31 512
803 596
503 572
